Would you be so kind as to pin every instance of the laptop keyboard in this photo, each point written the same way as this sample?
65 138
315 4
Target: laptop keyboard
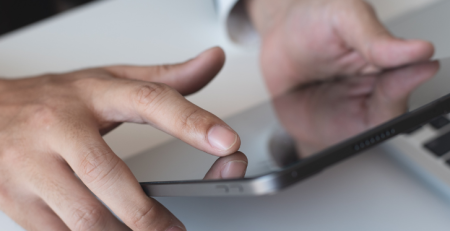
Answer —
439 122
440 145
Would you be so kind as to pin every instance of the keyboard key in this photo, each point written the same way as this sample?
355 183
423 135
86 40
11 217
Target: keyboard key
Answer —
439 122
413 130
439 146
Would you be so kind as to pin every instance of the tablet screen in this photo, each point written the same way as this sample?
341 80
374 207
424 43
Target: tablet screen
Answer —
317 116
310 118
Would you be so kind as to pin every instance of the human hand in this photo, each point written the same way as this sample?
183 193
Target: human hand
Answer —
51 127
325 114
309 40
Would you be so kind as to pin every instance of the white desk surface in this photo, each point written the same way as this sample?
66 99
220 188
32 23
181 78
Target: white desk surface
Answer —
154 32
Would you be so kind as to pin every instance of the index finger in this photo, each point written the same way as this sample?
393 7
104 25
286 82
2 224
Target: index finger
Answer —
164 108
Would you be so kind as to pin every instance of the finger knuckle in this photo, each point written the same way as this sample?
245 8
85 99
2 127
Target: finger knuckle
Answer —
145 216
89 218
97 164
150 94
42 115
193 119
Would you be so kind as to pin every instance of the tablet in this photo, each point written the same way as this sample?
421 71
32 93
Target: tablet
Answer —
319 124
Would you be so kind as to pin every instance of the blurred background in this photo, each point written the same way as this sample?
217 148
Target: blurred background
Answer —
76 39
15 14
390 9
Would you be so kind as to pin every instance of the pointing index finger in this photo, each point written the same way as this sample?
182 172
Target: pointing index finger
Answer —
166 109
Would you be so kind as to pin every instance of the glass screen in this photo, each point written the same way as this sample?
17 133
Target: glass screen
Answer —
306 120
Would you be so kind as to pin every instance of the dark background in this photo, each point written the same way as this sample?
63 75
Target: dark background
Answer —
15 14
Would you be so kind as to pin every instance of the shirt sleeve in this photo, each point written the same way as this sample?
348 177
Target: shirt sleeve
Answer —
236 22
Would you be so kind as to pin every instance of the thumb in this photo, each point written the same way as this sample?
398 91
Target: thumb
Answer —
359 26
186 78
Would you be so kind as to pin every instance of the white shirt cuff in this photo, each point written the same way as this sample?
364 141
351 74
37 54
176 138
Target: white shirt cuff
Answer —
236 22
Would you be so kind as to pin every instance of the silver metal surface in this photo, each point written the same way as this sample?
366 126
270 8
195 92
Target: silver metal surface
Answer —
257 187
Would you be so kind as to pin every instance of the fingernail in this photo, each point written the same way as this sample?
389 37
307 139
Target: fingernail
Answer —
234 169
221 137
175 228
